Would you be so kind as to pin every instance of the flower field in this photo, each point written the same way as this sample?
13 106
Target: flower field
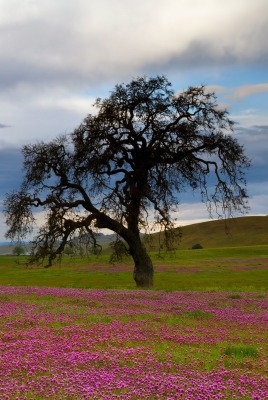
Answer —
111 344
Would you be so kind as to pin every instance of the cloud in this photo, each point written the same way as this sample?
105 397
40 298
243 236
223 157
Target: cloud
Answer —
75 104
196 212
217 89
191 213
42 115
10 169
258 204
57 56
243 91
255 142
73 43
238 93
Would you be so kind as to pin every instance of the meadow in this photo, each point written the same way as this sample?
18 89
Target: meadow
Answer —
80 330
221 269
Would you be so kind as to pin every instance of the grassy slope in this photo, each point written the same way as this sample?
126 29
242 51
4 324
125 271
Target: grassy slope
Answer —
243 231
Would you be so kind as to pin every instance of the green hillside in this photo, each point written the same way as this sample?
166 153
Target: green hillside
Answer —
235 232
243 231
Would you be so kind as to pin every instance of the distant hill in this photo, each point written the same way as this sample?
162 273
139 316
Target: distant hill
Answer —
242 231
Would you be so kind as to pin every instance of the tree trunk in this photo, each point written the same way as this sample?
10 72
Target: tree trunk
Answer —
143 273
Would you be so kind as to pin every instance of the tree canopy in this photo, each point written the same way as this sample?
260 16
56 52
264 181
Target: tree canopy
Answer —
144 146
19 250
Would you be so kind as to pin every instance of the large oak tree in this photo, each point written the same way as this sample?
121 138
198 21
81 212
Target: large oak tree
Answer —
142 148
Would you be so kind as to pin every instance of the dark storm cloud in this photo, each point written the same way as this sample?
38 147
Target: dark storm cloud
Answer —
205 53
255 141
10 170
4 126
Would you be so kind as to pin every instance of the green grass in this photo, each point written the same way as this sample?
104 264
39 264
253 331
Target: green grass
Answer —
241 351
205 356
234 296
184 354
224 255
238 269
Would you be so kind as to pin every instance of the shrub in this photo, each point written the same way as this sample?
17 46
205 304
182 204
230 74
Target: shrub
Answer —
197 246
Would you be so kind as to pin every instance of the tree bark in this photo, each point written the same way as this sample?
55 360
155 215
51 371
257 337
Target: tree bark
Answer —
143 273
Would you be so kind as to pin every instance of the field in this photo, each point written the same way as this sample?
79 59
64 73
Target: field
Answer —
80 330
224 269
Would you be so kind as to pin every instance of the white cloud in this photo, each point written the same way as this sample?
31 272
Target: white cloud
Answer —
217 89
243 91
100 39
258 204
42 114
58 56
249 118
238 93
75 104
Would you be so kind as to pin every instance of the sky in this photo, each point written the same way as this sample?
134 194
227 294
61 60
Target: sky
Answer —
58 56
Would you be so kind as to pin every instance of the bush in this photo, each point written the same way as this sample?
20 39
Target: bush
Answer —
197 246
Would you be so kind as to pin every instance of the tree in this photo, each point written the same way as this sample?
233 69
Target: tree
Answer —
142 148
19 250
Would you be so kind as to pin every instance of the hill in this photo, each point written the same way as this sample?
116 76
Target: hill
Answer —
235 232
242 231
